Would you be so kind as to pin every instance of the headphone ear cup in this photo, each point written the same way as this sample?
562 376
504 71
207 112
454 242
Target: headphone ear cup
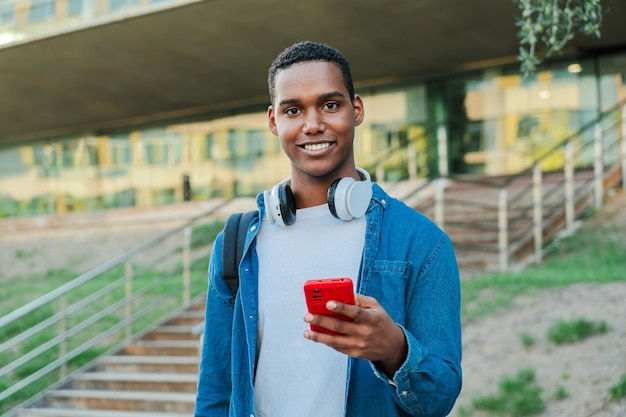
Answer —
287 204
358 198
338 193
330 197
349 199
280 205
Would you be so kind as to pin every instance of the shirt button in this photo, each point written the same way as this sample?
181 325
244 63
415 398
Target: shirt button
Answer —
405 393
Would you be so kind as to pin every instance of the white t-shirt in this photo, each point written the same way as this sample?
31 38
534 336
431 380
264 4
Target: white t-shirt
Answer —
295 376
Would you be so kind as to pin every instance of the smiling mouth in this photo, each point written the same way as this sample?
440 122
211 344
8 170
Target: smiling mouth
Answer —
316 146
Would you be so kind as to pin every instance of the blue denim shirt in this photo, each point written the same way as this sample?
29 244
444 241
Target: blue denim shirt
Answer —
408 265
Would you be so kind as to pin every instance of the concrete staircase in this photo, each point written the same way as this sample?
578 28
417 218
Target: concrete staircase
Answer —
155 376
471 215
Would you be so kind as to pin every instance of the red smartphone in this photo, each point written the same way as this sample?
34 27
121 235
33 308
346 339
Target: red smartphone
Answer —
319 291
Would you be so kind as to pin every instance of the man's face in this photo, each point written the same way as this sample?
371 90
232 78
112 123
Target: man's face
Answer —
314 118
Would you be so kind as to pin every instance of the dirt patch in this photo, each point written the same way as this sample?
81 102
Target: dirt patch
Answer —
492 349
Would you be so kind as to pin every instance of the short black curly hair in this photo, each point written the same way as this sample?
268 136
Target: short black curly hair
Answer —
309 51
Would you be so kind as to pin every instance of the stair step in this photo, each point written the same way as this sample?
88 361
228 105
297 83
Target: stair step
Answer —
136 382
171 332
189 317
163 348
69 412
161 364
121 400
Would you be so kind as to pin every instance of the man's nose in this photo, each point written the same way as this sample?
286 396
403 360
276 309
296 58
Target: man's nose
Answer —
313 123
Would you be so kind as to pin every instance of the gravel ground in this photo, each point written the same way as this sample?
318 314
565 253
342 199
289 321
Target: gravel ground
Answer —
493 349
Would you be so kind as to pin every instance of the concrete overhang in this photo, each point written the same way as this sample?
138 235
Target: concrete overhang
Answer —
203 58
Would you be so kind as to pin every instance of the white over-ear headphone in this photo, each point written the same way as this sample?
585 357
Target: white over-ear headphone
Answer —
347 199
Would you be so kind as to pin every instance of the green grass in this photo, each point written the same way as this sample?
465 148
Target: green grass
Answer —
618 391
518 396
575 330
591 255
561 393
205 234
527 340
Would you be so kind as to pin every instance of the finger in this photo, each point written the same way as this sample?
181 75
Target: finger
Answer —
356 312
365 301
347 310
337 325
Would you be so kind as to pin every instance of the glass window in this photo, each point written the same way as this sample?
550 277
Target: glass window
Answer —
7 12
91 154
236 148
174 143
162 147
74 7
11 163
120 151
122 4
46 159
210 143
41 10
256 142
68 149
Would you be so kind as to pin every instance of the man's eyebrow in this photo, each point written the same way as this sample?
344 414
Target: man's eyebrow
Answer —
330 95
288 101
323 97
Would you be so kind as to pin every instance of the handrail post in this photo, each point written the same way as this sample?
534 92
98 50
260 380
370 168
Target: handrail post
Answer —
537 212
569 186
598 167
411 160
128 300
63 334
503 233
442 150
380 173
187 266
440 186
623 139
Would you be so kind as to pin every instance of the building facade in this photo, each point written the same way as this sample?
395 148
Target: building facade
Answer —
495 122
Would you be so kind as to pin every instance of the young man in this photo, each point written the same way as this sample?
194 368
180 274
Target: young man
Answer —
401 355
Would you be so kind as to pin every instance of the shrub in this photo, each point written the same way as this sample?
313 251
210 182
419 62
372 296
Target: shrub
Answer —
575 330
519 396
618 391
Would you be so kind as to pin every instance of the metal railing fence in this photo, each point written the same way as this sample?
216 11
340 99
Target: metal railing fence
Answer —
511 217
63 331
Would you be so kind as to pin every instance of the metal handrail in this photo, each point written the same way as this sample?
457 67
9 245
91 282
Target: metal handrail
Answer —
134 300
526 205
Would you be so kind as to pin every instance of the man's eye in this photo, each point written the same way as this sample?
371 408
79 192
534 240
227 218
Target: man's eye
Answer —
291 111
331 106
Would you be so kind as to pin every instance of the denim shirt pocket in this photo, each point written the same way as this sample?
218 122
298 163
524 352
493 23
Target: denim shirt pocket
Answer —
386 281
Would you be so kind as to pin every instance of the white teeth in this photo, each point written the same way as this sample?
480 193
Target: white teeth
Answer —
316 146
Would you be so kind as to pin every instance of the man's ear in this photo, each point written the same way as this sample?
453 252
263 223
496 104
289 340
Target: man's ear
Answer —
271 120
359 110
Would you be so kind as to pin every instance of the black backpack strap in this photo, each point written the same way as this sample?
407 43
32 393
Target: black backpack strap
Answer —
235 231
